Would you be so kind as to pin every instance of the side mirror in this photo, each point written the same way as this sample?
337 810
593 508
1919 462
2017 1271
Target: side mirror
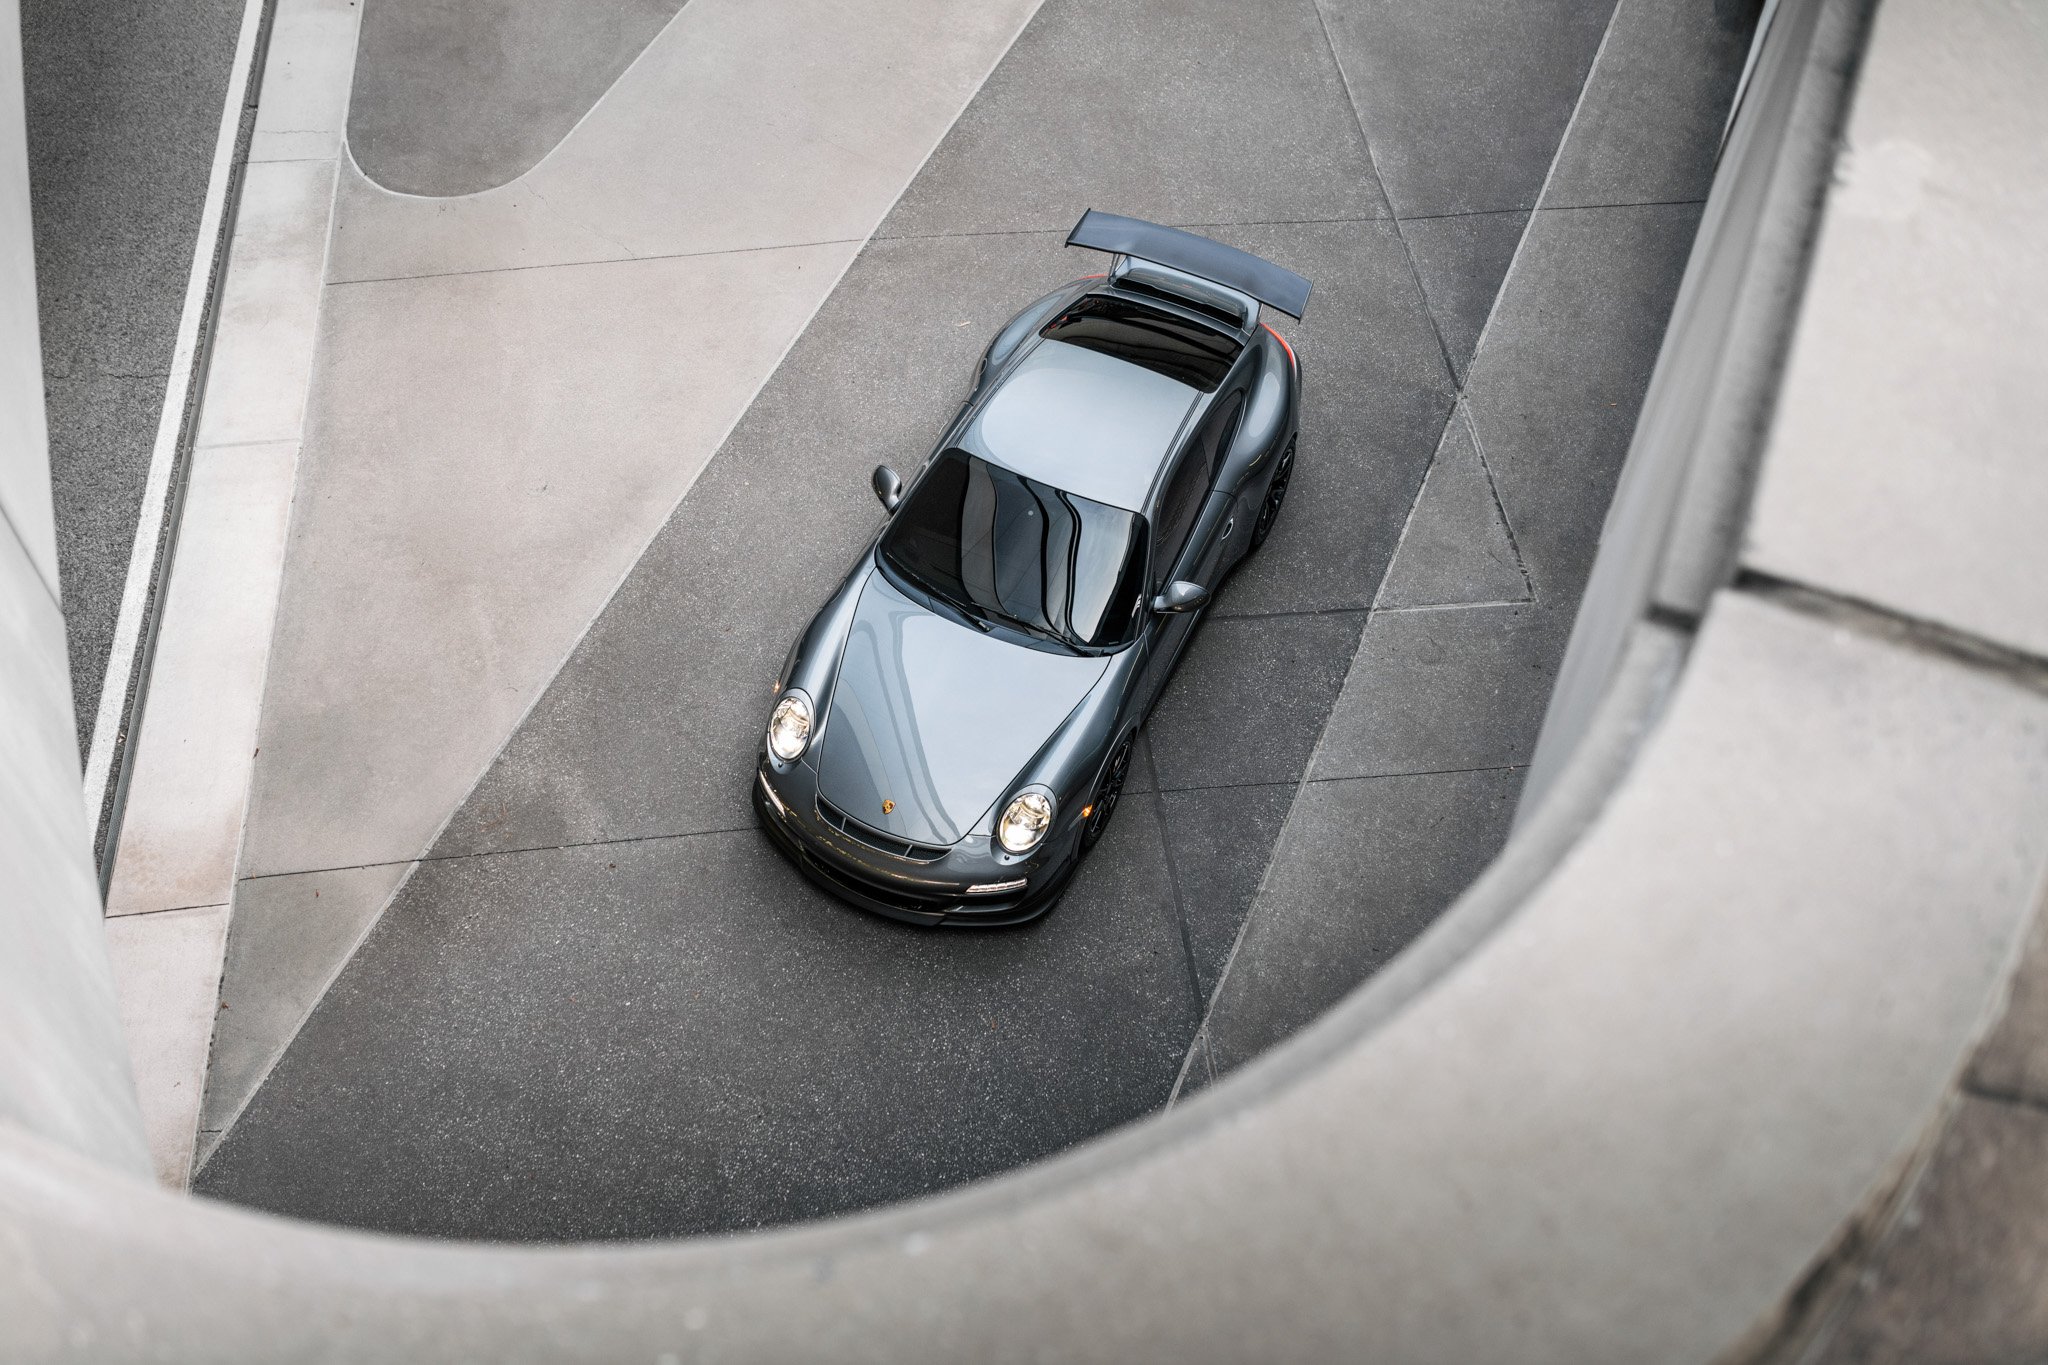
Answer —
888 486
1180 595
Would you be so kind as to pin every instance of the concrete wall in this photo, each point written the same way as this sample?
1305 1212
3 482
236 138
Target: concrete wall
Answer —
1629 1098
63 1070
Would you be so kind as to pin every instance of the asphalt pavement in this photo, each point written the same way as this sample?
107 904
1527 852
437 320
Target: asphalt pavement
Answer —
124 107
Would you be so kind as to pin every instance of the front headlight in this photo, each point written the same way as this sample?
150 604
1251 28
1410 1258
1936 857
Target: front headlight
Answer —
789 727
1025 821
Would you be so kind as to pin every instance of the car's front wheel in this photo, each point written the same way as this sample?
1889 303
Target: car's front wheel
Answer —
1276 493
1107 793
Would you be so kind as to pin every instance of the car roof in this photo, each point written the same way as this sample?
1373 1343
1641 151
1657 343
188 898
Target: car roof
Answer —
1084 422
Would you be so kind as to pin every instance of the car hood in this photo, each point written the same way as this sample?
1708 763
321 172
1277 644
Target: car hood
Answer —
935 718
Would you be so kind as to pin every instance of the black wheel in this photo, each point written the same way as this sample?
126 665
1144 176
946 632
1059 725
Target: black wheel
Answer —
1107 795
1276 493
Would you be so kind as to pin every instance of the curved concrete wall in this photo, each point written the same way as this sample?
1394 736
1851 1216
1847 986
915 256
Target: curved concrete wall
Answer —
63 1070
1623 1102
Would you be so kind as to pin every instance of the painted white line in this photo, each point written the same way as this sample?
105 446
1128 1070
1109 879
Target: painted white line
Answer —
208 260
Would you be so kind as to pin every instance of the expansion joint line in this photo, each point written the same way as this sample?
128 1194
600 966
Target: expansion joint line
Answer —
1180 907
1900 628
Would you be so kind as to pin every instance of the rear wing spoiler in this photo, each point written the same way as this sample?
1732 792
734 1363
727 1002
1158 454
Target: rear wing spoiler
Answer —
1225 265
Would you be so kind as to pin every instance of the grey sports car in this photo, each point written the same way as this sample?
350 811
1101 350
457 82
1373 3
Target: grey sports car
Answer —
952 732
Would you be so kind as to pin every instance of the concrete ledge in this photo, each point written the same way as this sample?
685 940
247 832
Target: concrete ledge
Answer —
1531 1130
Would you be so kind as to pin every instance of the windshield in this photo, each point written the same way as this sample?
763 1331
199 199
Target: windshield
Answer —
1001 547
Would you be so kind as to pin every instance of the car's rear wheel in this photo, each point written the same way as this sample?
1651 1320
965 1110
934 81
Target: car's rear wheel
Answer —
1107 793
1276 493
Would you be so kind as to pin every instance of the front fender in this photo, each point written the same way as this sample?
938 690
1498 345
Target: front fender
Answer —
1071 761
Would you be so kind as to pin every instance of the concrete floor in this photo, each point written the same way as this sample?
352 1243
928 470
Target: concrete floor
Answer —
124 104
604 1007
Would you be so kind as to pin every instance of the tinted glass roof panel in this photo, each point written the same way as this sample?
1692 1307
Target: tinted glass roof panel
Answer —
1161 342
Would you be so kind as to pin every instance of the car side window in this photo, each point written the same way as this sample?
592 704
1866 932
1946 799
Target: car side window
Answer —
1192 478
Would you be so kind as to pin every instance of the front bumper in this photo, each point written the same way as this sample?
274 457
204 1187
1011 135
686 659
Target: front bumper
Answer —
931 893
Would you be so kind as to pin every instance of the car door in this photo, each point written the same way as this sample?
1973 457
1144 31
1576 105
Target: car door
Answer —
1191 529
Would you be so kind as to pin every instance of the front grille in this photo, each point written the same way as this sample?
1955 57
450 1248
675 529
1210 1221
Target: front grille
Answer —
874 838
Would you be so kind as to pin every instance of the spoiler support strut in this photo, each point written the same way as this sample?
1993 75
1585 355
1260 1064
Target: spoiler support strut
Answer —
1270 284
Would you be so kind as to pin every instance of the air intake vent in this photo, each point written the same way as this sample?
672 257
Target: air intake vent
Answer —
874 838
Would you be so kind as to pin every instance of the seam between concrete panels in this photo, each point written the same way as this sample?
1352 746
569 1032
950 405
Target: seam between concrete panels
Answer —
545 157
1180 908
1380 184
628 259
1493 485
1899 628
1050 231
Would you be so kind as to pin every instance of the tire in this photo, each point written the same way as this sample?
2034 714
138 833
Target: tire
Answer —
1276 494
1108 793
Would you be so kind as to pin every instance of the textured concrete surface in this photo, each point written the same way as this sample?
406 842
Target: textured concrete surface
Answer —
1456 547
191 776
167 974
124 103
742 126
456 96
288 938
1464 102
1963 1277
2014 1060
1461 260
1946 179
1365 865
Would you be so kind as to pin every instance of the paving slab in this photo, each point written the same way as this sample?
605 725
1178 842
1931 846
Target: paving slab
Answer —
1958 1280
197 737
1190 112
1461 260
678 1036
1456 547
269 306
1249 698
167 975
1362 868
1436 690
1221 839
302 107
286 940
1464 100
432 116
1560 377
2014 1058
1648 126
1930 499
